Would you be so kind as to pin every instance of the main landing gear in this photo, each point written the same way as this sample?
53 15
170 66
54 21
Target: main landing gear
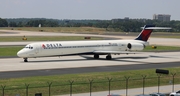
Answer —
96 56
25 59
108 57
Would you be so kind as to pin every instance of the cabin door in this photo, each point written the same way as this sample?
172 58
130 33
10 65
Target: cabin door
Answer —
38 49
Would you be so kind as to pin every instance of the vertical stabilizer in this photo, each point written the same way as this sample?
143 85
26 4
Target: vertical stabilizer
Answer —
145 33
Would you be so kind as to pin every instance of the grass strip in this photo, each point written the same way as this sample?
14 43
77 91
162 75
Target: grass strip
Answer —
57 29
8 51
160 48
61 83
45 38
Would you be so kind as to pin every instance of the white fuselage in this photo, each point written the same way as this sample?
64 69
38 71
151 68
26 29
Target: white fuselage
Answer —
60 48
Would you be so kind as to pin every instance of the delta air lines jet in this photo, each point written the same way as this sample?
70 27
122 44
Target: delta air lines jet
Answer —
96 48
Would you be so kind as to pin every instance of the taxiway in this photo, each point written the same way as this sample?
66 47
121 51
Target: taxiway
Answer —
15 67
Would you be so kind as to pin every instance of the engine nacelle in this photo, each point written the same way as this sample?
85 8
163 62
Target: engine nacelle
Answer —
135 46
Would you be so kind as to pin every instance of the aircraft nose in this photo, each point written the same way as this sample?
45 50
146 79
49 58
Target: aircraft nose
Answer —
21 54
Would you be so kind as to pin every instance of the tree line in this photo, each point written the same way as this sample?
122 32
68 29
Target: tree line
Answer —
125 25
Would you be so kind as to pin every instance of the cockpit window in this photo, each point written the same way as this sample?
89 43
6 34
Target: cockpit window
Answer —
28 47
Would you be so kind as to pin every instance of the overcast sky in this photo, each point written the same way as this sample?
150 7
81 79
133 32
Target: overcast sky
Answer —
88 9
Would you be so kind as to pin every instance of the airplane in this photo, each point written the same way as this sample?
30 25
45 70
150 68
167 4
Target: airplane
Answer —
96 47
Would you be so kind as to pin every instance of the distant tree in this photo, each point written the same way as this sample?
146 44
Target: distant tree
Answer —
44 23
126 25
3 23
12 24
20 24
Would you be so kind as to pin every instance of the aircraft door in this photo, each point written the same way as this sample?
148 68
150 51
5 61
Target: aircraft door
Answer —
37 49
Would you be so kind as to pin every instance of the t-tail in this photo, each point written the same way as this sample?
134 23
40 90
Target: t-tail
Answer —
146 32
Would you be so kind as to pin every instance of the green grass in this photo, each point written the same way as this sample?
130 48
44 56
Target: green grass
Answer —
6 51
44 38
57 29
61 84
161 48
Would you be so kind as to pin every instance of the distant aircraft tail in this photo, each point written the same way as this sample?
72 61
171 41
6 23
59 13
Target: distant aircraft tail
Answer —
146 32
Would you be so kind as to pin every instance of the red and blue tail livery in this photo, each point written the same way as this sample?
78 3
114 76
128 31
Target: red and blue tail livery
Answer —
146 32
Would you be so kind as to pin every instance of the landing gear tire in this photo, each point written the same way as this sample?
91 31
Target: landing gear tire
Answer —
96 56
108 57
25 59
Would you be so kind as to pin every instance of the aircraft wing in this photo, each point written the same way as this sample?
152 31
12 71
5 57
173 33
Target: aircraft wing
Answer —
115 52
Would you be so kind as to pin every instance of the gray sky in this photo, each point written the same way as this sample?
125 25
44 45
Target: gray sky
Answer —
88 9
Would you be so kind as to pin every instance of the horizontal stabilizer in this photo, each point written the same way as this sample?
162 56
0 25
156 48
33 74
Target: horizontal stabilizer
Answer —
158 28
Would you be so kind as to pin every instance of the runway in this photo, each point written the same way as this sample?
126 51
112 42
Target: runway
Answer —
15 67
